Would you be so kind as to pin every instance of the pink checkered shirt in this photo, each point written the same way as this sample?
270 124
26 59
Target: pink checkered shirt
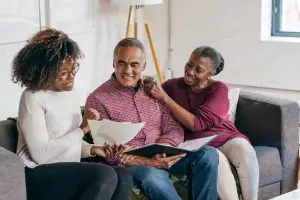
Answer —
123 104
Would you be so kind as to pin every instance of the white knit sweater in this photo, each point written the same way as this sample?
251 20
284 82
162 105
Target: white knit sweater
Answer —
48 125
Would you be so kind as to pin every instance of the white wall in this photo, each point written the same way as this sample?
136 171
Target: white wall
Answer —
94 24
234 29
16 25
19 19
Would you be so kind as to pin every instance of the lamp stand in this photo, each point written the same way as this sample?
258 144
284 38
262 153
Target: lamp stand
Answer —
128 30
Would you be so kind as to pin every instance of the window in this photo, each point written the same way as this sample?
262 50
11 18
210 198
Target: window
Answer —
285 18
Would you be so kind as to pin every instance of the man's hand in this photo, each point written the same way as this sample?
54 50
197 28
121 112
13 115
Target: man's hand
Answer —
161 161
158 161
90 114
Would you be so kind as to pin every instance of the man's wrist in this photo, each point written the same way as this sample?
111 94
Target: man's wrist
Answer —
141 161
147 162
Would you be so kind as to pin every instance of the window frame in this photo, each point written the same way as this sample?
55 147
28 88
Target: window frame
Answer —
276 22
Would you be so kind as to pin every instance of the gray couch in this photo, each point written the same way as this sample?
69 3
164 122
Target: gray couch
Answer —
273 127
12 177
271 124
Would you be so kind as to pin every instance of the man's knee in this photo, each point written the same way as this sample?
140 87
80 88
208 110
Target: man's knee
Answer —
150 176
155 183
208 158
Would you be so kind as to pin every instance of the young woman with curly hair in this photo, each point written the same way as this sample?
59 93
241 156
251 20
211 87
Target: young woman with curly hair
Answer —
51 127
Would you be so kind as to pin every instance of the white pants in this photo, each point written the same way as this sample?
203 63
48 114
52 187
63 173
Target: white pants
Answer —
241 154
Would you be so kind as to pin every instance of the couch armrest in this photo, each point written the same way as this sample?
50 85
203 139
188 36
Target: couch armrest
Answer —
12 176
273 122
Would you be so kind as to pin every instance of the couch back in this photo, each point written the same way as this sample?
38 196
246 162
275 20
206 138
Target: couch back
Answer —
9 135
267 121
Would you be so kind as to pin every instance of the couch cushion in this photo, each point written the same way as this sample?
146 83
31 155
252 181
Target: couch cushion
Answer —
12 176
8 135
270 168
269 191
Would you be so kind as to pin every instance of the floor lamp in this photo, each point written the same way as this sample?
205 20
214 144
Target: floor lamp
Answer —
134 7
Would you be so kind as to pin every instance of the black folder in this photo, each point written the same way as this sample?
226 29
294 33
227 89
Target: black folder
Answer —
149 151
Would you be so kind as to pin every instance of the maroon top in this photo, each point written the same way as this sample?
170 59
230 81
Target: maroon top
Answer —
210 106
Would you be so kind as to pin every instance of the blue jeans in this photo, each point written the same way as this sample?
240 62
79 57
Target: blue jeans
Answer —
201 167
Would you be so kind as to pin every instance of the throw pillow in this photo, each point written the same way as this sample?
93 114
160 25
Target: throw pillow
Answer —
233 96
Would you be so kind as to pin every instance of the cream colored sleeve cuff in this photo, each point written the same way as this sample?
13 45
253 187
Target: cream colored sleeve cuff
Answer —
86 150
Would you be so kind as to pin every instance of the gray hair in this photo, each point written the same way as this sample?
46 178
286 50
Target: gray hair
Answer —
213 55
130 42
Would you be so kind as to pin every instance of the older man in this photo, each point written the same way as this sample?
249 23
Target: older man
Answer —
122 98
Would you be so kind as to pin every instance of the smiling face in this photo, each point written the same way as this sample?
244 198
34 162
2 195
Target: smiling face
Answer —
129 64
66 76
198 71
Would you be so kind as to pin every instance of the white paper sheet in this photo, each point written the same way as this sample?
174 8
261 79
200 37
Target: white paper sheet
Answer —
196 143
113 132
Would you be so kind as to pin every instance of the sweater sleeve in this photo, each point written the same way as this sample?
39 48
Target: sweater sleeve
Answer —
32 123
214 110
167 86
86 149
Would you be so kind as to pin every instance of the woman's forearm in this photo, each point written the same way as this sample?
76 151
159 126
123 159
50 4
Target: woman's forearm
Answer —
43 150
182 115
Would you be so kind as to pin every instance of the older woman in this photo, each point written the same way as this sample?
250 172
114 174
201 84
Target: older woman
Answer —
51 127
201 105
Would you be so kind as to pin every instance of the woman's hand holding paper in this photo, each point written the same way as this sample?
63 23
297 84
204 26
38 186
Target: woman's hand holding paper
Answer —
106 151
90 114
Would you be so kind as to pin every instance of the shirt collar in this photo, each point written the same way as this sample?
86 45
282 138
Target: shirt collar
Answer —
121 87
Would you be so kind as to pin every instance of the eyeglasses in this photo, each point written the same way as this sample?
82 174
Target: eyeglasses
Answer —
64 74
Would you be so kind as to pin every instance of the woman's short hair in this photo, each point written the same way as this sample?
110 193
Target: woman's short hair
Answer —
211 53
37 64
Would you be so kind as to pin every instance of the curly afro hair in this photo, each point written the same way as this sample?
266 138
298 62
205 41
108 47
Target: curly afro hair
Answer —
37 64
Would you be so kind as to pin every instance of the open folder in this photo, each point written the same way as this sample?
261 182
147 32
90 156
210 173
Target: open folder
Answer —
149 151
111 132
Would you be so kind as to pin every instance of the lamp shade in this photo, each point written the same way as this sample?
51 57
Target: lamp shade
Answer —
135 2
